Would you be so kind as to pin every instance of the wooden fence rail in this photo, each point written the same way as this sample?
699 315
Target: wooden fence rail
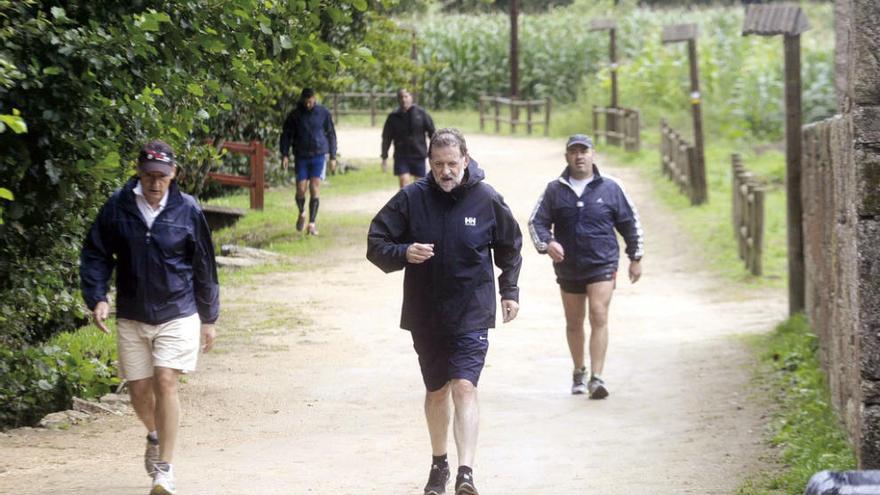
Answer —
532 107
621 125
679 162
339 105
748 215
256 181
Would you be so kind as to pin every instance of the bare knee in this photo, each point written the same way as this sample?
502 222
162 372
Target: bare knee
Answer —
598 316
437 396
462 389
140 390
165 382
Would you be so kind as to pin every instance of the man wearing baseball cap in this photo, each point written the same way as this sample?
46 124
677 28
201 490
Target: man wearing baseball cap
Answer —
167 295
574 223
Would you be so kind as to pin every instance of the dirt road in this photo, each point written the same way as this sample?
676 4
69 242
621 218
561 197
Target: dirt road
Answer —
317 391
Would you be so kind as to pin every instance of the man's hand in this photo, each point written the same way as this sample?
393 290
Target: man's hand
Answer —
419 253
635 271
209 333
384 165
509 309
332 164
100 313
285 162
554 249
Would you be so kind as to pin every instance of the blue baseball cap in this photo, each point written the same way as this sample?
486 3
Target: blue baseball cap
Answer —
581 139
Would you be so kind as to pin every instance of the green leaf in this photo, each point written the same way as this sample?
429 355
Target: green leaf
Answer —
360 5
59 13
44 385
285 42
14 122
6 194
195 89
52 70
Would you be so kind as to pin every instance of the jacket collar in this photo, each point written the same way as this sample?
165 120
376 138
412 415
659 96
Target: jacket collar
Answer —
175 197
565 177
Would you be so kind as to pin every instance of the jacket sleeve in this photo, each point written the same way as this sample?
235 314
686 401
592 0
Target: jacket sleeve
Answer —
429 125
288 134
507 246
540 223
387 239
626 221
330 133
97 260
205 282
386 137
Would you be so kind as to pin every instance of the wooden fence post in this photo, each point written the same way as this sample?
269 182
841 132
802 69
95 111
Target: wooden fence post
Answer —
529 117
547 116
372 109
497 115
514 116
758 232
482 117
258 175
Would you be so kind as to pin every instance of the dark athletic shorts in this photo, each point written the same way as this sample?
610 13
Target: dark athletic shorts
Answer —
408 165
444 357
580 286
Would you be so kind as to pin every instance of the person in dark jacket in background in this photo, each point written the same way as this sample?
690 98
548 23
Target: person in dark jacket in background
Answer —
443 230
574 223
167 295
309 130
409 128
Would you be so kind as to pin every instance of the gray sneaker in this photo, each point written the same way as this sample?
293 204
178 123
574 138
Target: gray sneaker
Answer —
151 456
578 387
597 388
163 480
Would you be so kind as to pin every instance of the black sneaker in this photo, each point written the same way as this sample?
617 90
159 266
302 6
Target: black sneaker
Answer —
597 388
437 479
578 379
464 485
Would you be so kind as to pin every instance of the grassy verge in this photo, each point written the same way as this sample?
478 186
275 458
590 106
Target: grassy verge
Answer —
805 428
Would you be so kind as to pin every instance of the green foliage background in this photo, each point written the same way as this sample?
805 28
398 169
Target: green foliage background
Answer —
94 80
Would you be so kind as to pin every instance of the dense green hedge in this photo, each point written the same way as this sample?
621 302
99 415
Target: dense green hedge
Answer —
94 80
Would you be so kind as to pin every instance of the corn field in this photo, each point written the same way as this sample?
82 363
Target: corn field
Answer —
741 78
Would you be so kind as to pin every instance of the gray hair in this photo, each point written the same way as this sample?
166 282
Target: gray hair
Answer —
448 136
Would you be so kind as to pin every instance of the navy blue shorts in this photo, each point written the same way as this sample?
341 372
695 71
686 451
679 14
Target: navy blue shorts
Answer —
307 168
413 166
444 357
579 286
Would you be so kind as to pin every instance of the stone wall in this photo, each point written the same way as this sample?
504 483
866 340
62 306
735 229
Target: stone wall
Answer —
841 194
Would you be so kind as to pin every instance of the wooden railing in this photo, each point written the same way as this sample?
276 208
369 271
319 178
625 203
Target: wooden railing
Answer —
679 162
532 107
339 106
748 215
621 125
256 181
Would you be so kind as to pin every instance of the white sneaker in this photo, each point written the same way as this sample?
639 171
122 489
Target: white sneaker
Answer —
163 480
151 456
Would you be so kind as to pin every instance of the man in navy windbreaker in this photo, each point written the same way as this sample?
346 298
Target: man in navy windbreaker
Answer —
443 230
574 222
309 130
167 295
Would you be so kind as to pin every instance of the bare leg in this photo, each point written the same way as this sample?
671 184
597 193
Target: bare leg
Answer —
167 410
143 400
438 413
467 420
575 307
599 294
404 179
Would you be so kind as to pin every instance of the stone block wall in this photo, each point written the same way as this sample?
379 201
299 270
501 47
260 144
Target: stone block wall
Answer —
841 195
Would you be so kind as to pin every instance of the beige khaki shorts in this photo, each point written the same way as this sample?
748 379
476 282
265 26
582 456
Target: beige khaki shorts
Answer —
173 344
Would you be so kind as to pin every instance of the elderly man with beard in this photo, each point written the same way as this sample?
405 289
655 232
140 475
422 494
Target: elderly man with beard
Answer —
443 231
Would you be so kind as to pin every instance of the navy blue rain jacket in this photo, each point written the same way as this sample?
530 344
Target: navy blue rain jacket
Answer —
454 291
585 225
408 130
163 273
310 132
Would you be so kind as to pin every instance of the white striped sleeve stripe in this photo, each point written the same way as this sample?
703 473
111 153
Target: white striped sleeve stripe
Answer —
540 245
640 235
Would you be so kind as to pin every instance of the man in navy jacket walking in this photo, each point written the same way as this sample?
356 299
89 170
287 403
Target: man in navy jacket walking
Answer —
167 295
309 130
409 127
574 223
443 230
